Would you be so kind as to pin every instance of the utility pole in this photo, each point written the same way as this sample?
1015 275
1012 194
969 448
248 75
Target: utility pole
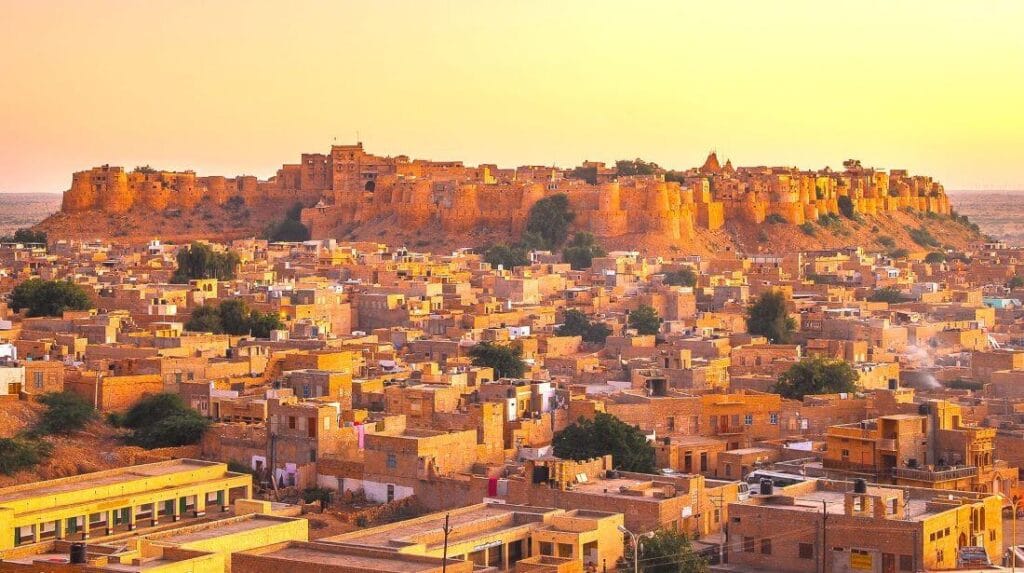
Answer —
444 555
824 521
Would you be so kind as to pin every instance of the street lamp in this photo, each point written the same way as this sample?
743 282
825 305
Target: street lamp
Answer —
1013 532
636 548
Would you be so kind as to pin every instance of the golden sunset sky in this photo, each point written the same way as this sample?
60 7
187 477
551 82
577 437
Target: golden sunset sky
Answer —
231 87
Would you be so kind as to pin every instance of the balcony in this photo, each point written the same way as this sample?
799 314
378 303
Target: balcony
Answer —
887 444
935 475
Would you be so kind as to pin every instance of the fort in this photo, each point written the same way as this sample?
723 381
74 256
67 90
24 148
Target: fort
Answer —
348 187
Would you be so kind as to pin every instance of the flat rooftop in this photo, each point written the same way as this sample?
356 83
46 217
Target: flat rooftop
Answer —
212 530
99 479
309 554
834 503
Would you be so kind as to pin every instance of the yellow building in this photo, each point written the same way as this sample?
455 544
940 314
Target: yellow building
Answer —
500 535
116 500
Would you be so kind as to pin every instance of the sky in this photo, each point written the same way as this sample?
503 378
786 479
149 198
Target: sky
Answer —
240 87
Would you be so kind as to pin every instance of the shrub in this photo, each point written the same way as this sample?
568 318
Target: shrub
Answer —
923 237
890 295
935 257
509 257
775 219
21 453
885 240
681 277
808 228
164 420
65 412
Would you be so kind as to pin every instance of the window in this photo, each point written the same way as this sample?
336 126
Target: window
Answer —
312 455
728 470
748 420
735 420
565 550
906 562
547 548
766 546
748 544
718 518
37 379
845 454
291 422
805 551
392 461
773 418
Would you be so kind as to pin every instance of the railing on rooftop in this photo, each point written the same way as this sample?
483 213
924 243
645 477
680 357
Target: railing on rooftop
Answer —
935 475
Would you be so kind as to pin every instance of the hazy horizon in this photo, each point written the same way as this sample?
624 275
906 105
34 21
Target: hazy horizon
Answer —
236 87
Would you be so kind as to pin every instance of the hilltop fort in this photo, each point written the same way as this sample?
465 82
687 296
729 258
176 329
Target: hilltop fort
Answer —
351 193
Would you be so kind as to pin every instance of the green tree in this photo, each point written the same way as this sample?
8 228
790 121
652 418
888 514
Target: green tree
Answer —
549 219
935 257
768 317
846 206
233 316
509 257
1015 282
606 434
588 174
682 277
164 420
19 453
205 319
49 298
816 376
261 323
25 235
65 413
576 323
580 252
644 320
507 361
667 551
200 261
891 295
290 229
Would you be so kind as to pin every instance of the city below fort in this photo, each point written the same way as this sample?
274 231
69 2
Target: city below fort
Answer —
608 287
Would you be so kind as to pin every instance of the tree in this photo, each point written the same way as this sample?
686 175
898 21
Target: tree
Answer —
25 235
49 298
816 376
846 206
768 317
1015 282
588 174
200 261
682 277
935 257
507 361
509 257
891 295
645 320
164 420
581 251
550 219
576 323
233 316
606 434
65 413
667 551
290 229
